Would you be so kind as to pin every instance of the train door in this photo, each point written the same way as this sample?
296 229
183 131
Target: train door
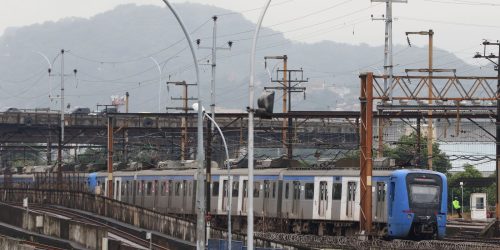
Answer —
267 194
225 195
321 200
117 190
240 183
105 193
244 202
380 201
170 193
193 196
296 197
142 192
127 191
156 192
184 194
351 199
134 191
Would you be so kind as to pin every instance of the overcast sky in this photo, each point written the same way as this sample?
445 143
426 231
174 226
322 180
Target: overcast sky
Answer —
459 25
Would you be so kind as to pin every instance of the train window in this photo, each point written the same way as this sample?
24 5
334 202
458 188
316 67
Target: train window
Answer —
424 194
309 191
266 189
274 190
141 186
149 188
245 188
163 189
124 188
287 189
184 188
118 184
337 191
215 189
236 188
380 191
351 191
256 190
224 188
296 190
177 188
170 187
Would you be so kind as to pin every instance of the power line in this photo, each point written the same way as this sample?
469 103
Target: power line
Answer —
450 23
304 27
460 2
251 10
125 61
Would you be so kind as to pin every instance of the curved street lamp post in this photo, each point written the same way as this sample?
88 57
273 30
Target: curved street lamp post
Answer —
250 130
229 178
200 154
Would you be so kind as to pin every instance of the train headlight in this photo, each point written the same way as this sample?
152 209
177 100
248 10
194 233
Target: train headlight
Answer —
409 216
439 217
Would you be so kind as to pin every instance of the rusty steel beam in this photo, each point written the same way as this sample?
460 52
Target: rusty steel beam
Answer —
366 140
451 88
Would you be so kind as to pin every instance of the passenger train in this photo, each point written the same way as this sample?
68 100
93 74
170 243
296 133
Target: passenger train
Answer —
406 203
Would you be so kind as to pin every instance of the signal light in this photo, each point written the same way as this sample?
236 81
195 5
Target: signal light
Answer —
266 105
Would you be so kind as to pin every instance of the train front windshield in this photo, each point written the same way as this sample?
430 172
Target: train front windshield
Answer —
424 194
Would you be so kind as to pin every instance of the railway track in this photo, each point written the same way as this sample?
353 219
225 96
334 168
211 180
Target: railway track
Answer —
305 241
319 242
494 241
39 245
89 219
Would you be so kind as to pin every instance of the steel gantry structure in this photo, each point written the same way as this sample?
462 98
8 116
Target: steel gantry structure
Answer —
457 90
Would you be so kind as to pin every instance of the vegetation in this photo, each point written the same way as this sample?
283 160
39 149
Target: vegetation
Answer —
405 154
455 189
25 156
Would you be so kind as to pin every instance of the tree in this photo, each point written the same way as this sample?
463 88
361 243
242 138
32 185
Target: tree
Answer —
93 155
405 154
23 155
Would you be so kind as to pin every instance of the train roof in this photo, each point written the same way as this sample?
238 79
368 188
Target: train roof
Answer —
244 171
404 172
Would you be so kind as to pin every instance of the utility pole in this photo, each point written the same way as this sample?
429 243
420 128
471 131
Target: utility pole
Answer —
388 58
61 135
125 132
285 84
289 86
61 129
184 108
210 130
213 63
388 62
430 85
497 122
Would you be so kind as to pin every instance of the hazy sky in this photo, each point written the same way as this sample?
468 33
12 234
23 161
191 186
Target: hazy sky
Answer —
459 25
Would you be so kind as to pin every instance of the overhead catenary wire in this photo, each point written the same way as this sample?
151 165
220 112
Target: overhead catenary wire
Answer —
140 58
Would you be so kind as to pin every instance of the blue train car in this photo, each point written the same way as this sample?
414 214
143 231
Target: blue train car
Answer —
417 207
92 182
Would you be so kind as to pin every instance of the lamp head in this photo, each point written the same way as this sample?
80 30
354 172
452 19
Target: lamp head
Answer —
195 107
